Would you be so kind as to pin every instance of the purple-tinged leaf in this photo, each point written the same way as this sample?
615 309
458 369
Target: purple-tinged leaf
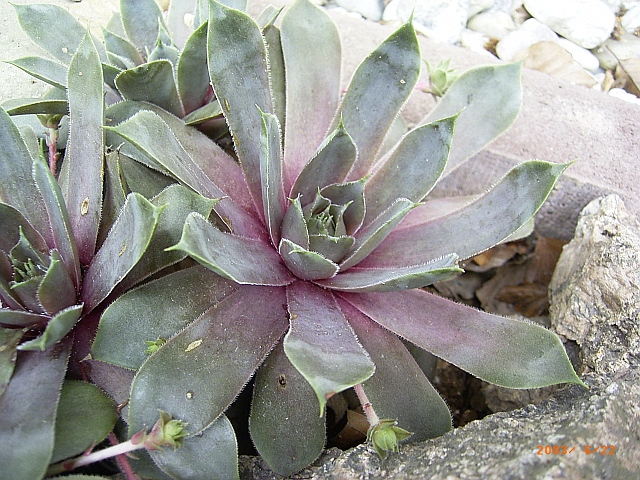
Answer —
160 310
122 49
238 69
85 148
351 194
292 435
125 244
43 24
58 219
412 168
152 82
8 298
177 202
155 138
18 318
35 106
57 328
243 260
271 171
373 234
399 388
321 344
26 291
84 418
49 71
330 164
488 99
312 59
141 20
28 411
12 223
506 352
304 263
294 225
394 279
114 194
9 340
192 73
56 291
200 371
378 89
18 188
212 454
482 224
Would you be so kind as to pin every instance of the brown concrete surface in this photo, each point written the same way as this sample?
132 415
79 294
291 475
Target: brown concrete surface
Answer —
559 122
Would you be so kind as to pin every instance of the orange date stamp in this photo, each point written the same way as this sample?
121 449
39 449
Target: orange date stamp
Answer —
605 450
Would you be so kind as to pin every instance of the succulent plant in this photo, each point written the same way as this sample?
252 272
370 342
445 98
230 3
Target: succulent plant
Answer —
311 274
68 246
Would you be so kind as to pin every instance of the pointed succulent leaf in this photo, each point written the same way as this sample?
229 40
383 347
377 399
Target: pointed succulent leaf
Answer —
321 344
271 171
164 51
207 112
200 371
176 21
84 418
488 99
332 248
141 20
58 218
480 343
85 148
292 435
192 73
330 164
109 73
392 280
9 340
381 84
142 179
18 188
312 59
412 168
492 216
120 63
155 138
160 310
49 71
57 328
13 226
35 106
272 39
28 412
114 194
238 69
121 48
351 195
42 23
294 225
152 82
177 202
17 318
125 244
212 454
243 260
373 234
57 290
304 263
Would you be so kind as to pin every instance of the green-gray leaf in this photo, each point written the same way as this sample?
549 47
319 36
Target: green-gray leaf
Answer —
59 325
49 71
9 340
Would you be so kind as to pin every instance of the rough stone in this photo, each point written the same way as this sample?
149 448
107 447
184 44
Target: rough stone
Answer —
371 9
475 42
441 20
584 57
494 24
631 20
530 33
595 289
587 23
596 431
477 6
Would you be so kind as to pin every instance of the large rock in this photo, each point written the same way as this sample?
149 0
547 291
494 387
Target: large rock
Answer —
530 32
587 23
595 302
